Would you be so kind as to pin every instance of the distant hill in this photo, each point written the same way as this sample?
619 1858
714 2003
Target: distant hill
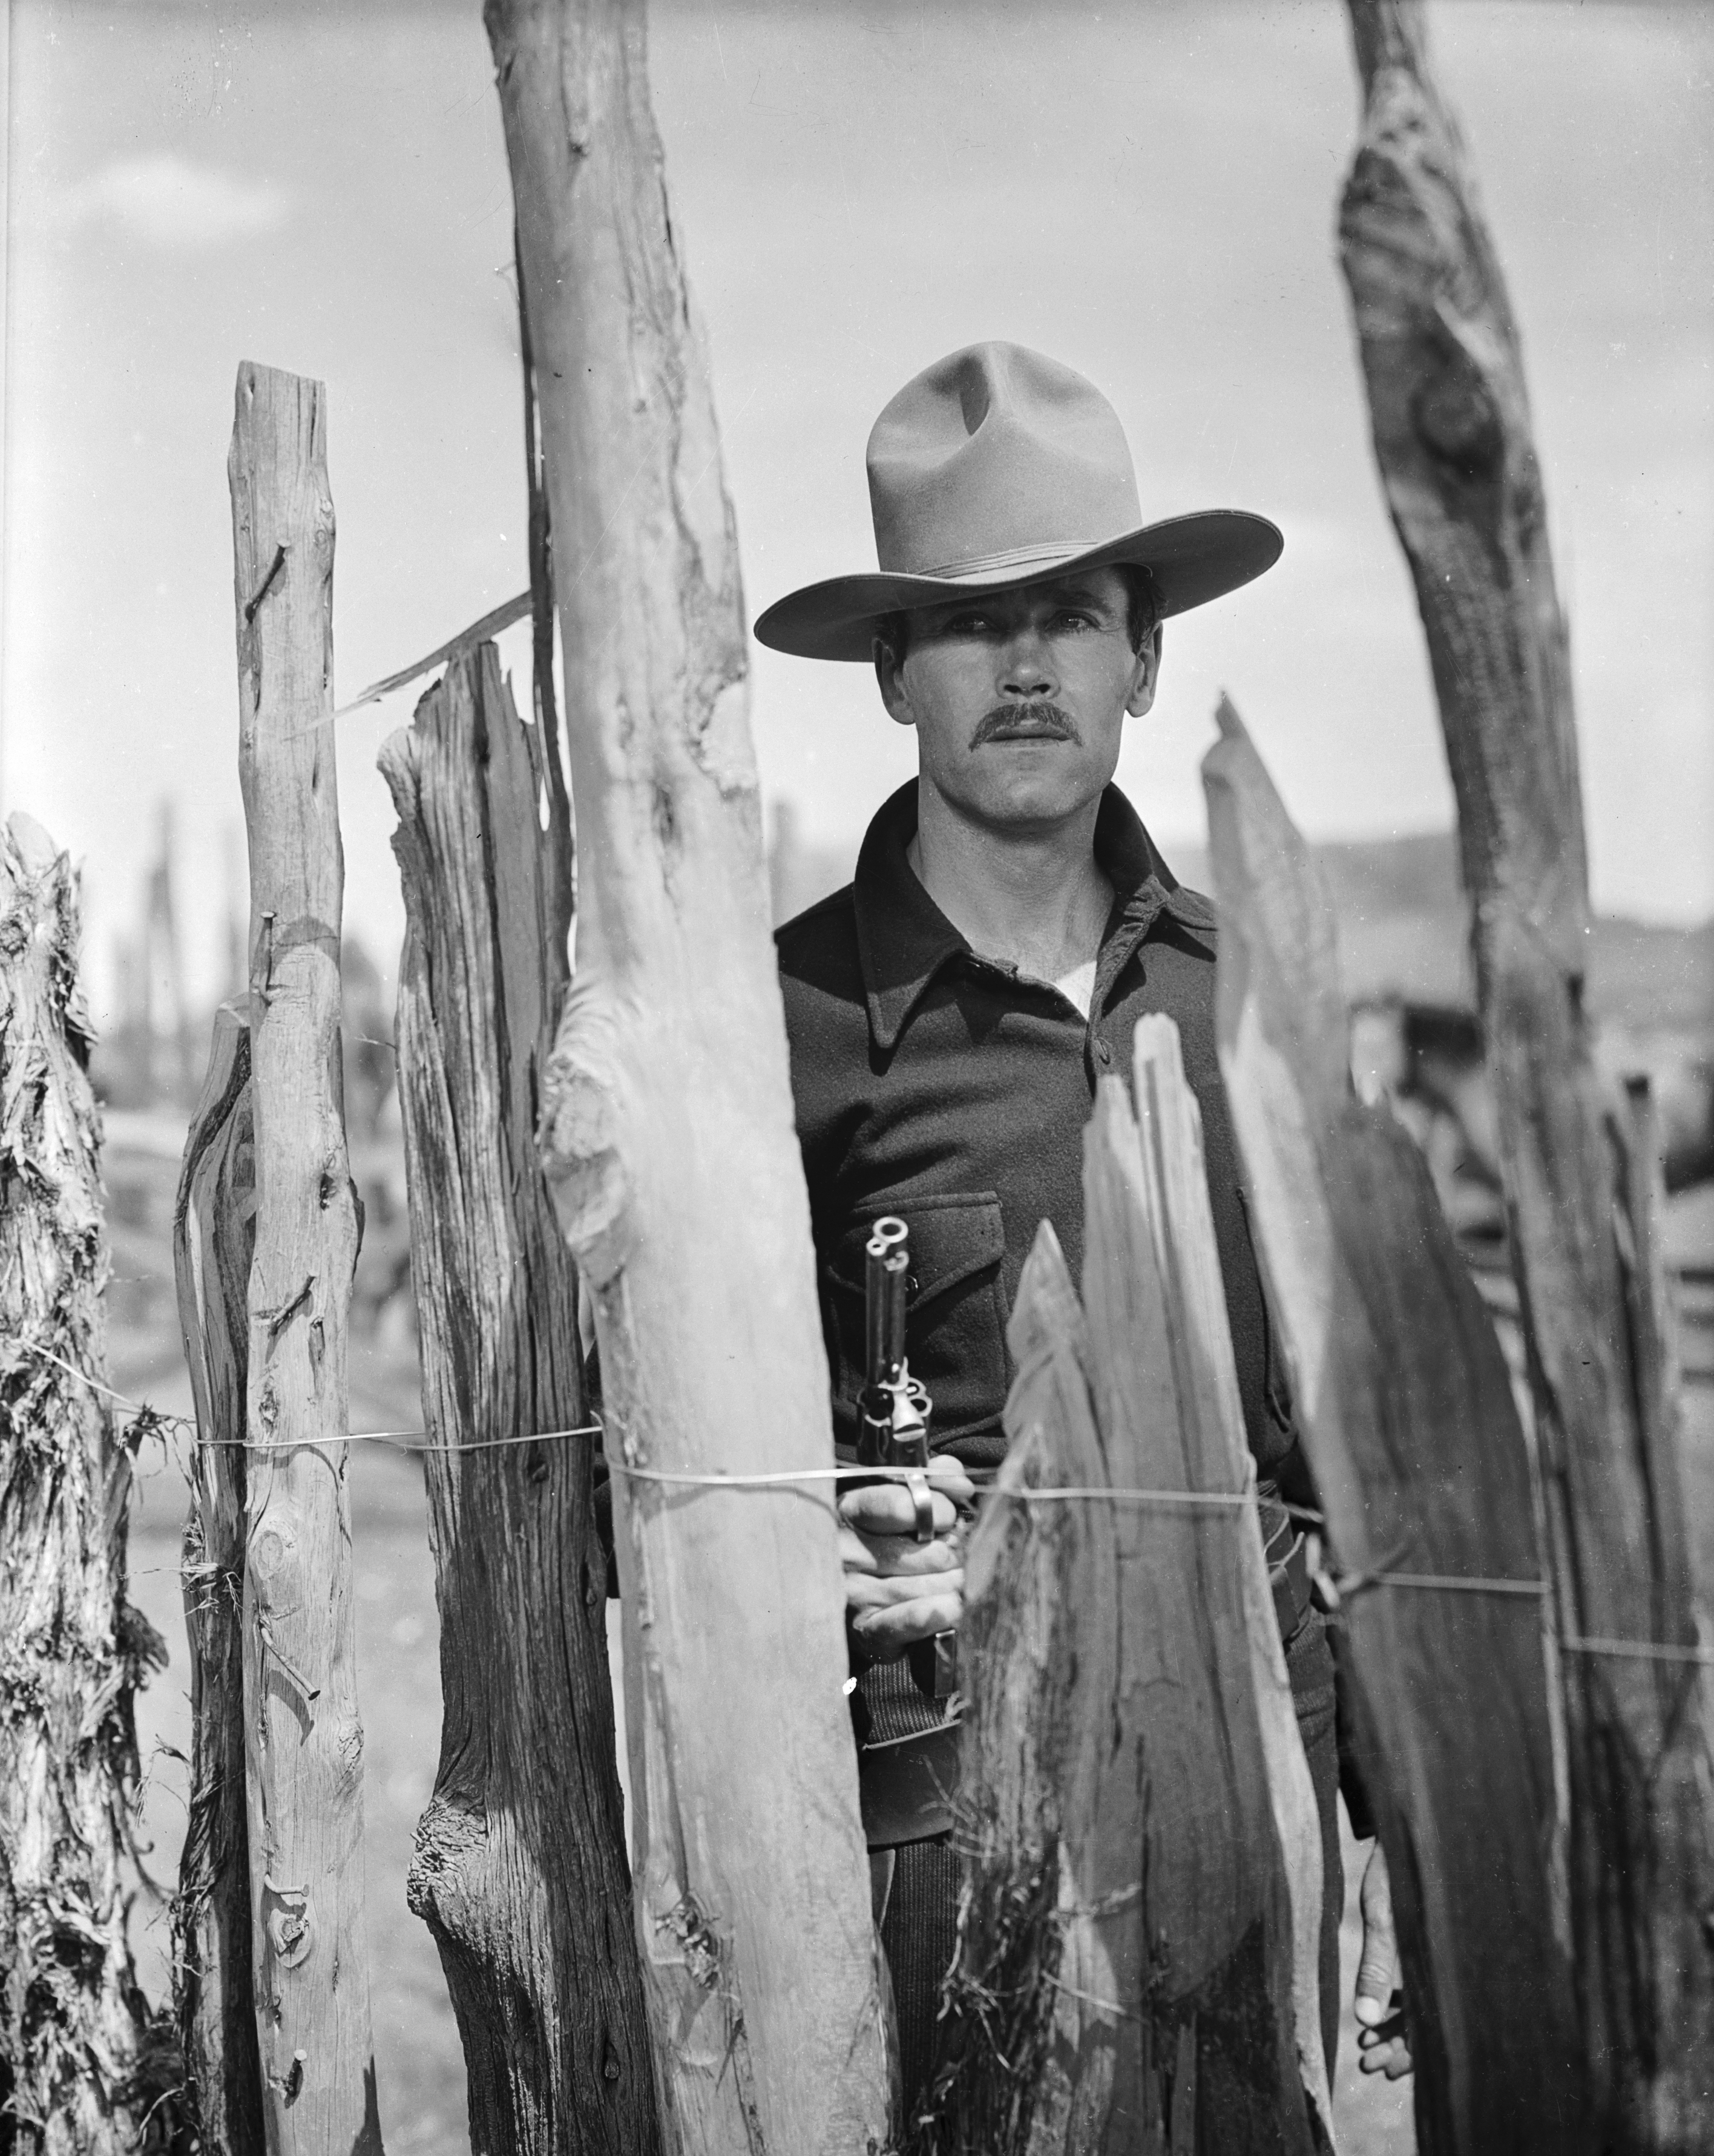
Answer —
1403 932
1401 914
1402 926
1649 979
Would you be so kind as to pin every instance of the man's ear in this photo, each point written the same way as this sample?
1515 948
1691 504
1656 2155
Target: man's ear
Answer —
1145 676
889 677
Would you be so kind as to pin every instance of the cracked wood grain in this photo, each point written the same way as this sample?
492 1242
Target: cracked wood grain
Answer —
213 1236
1139 1924
303 1738
1406 1409
668 1137
520 1870
1451 418
74 2030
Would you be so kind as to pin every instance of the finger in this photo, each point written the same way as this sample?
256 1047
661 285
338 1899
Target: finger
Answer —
946 1475
864 1593
1393 2059
885 1557
1386 2032
888 1508
1379 1966
888 1638
1379 2006
886 1633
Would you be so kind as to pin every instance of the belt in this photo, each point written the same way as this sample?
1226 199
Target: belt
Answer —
906 1784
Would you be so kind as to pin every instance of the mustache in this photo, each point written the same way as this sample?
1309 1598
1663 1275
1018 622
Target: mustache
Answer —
1032 711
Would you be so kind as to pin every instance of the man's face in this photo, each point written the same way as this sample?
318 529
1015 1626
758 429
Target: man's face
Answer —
1019 697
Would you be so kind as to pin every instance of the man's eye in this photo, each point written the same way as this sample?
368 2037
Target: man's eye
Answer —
1073 618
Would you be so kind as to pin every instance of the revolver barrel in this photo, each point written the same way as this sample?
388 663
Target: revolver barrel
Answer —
894 1417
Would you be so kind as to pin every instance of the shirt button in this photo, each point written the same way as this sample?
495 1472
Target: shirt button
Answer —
1104 1054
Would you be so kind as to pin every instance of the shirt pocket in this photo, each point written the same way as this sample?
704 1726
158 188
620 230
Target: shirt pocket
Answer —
955 1326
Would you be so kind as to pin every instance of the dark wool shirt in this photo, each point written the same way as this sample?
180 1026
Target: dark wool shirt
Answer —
938 1085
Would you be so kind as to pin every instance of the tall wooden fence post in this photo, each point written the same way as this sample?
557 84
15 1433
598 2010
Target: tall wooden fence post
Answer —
520 1868
1406 1409
75 2070
1451 425
1052 1844
303 1738
1138 1946
1229 1797
213 1239
668 1138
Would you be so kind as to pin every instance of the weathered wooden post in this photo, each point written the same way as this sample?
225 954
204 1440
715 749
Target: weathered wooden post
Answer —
303 1740
669 1139
74 2065
213 1238
1027 2047
1406 1408
1138 1946
520 1868
1450 417
1167 1391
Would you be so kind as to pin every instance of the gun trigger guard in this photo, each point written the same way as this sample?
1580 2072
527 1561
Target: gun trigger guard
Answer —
923 1526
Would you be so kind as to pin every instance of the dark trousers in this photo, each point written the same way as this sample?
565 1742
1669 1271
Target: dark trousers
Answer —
919 1930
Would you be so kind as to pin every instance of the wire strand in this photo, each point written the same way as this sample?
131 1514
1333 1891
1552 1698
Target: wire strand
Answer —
419 1441
1195 1499
1113 2006
1354 1583
401 1440
1648 1651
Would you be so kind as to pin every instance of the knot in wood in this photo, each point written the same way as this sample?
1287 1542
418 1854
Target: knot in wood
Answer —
271 1551
1456 419
586 1174
720 740
351 1750
697 1941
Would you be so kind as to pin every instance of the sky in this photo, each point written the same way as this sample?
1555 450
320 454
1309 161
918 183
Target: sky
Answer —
1148 192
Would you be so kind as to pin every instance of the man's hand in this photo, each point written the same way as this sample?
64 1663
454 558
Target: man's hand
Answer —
1380 2004
898 1590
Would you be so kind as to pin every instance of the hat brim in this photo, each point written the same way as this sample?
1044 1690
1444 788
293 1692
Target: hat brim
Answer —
1191 560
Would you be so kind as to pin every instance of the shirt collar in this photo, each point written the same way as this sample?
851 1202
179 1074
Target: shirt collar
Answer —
903 938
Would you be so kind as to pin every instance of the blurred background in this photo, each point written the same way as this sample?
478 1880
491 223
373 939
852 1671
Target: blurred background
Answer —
1148 193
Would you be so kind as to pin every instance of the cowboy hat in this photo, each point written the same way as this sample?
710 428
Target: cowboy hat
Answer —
995 467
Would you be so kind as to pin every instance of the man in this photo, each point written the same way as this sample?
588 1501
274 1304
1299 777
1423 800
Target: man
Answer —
951 1012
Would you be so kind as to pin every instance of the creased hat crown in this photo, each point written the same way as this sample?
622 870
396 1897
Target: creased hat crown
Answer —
996 467
994 456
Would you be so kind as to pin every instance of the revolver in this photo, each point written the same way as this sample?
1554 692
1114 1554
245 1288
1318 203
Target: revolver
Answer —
893 1414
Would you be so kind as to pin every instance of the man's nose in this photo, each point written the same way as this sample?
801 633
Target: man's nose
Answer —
1026 666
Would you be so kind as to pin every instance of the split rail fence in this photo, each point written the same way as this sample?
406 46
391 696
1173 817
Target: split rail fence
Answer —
1137 1956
